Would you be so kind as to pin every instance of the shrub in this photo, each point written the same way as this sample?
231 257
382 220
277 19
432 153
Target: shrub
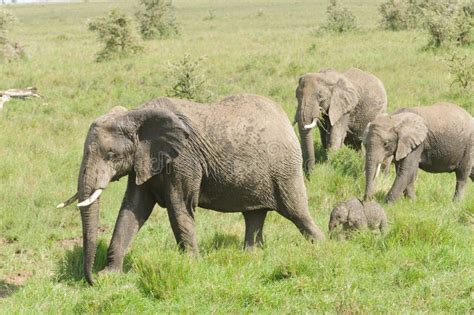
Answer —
399 14
447 21
190 81
347 162
6 20
461 68
339 19
211 15
116 32
156 19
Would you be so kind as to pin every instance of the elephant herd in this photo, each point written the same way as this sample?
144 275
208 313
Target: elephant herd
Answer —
242 155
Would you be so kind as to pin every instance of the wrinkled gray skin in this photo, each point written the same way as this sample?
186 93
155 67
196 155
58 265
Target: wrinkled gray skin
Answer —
355 215
342 103
238 155
437 139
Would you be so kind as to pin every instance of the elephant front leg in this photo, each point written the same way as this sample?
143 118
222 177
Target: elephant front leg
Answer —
182 224
181 216
254 221
338 133
135 210
406 170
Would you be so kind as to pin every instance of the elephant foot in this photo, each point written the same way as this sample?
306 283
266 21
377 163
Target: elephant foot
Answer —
110 269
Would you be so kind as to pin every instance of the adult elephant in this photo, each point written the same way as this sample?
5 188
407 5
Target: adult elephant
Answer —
238 155
437 139
343 103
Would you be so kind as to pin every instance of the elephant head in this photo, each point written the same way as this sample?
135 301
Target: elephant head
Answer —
339 216
349 214
390 135
326 94
141 141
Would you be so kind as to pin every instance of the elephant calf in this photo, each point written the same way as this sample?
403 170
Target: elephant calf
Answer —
354 215
437 139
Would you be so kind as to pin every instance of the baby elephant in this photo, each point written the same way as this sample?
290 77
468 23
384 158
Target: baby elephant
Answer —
355 214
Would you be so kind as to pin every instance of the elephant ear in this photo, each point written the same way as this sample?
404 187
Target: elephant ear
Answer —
344 99
161 136
411 131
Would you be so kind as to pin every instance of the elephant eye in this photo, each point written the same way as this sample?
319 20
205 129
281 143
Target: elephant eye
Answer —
111 155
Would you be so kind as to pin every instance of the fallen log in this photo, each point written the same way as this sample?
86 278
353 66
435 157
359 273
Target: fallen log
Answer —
21 93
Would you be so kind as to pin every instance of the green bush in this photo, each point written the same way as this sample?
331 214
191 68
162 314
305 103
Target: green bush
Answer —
461 68
347 162
156 19
339 19
447 22
6 20
116 32
190 80
399 14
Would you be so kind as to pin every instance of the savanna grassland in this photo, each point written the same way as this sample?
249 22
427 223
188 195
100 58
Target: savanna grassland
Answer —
424 264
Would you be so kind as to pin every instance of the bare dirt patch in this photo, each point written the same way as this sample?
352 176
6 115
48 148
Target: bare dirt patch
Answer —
6 241
18 278
70 243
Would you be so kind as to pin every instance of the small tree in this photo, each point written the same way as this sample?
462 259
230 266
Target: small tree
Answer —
399 14
461 68
447 22
339 19
156 18
190 81
6 19
8 51
116 31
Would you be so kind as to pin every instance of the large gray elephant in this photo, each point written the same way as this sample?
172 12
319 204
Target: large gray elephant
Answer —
343 103
437 139
238 155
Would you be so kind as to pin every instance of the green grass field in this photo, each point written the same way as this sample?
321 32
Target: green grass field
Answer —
424 264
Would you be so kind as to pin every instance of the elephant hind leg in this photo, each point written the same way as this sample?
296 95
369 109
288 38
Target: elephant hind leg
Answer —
463 172
292 203
254 221
461 181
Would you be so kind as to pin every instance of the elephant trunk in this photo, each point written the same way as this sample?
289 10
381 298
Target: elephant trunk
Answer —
307 147
306 115
90 223
90 219
372 168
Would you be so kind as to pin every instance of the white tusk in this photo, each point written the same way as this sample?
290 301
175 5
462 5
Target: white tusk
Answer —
311 125
67 202
377 172
91 199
